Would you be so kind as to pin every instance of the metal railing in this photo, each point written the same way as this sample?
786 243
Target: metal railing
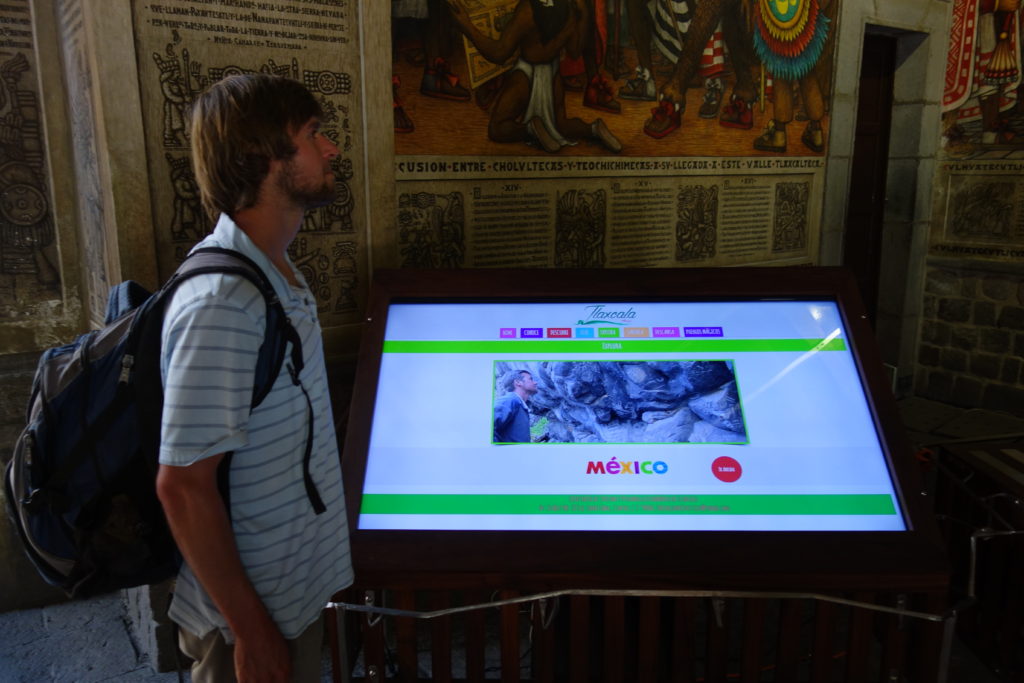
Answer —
545 606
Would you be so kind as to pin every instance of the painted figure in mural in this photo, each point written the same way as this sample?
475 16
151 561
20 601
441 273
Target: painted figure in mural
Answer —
511 415
450 236
580 229
687 36
697 227
657 25
584 73
345 270
188 223
789 38
433 27
652 25
982 69
531 104
403 124
176 99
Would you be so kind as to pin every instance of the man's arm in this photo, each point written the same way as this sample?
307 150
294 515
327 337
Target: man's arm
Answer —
502 416
500 49
199 521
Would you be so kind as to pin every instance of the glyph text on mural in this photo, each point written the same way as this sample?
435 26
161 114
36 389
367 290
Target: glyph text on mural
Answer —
580 219
609 222
697 223
27 223
431 230
184 46
512 225
330 270
791 208
745 221
181 79
983 210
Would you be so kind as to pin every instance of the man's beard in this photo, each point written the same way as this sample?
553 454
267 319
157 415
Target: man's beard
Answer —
307 196
550 20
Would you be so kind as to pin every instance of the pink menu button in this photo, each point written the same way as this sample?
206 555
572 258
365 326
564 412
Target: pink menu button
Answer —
666 331
560 332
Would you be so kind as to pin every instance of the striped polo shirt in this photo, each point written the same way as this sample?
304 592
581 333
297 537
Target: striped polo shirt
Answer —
212 332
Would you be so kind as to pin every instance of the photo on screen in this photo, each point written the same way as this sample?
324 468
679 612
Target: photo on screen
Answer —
619 402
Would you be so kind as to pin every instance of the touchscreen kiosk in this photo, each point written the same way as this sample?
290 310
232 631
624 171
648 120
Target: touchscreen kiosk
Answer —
626 411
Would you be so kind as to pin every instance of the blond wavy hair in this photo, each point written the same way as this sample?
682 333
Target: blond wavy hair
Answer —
239 125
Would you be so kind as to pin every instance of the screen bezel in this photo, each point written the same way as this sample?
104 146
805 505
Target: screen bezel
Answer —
727 558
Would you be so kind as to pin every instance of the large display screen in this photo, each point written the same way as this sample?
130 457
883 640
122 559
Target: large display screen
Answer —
741 415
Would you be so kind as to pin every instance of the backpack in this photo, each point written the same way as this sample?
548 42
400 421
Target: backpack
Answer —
81 486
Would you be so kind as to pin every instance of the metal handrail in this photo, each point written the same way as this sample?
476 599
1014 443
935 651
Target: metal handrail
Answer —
375 613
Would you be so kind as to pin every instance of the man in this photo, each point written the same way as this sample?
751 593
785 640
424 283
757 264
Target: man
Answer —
531 104
511 416
256 577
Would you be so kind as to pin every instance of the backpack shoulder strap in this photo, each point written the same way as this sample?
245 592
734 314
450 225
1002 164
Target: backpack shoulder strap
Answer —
279 331
279 334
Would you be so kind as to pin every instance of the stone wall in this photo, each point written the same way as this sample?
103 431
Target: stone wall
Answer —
42 302
972 337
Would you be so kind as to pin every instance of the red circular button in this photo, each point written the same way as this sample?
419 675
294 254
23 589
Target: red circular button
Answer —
726 469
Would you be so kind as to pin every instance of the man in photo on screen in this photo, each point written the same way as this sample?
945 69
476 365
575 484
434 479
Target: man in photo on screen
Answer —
511 414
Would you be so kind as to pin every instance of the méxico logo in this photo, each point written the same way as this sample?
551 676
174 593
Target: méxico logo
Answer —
600 313
616 466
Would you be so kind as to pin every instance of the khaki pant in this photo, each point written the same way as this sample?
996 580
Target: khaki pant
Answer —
214 660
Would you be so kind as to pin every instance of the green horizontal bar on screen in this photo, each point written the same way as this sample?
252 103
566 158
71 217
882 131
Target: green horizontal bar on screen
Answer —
604 346
626 504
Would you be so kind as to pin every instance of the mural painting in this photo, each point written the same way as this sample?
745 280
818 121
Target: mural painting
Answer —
983 134
554 93
641 75
981 107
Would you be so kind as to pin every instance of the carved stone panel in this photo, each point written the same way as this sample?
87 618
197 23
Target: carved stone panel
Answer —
29 276
182 47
